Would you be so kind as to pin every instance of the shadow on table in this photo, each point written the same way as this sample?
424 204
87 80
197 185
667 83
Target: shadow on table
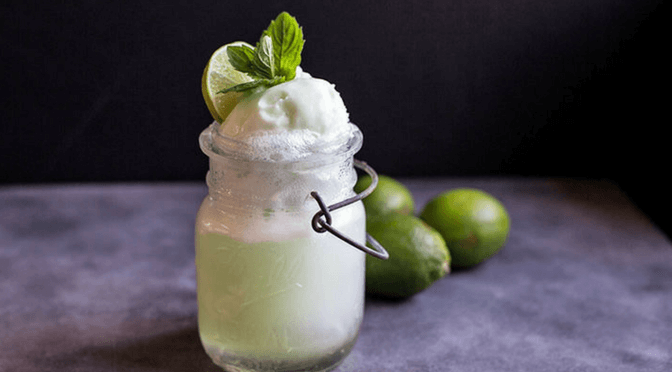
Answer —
177 351
390 302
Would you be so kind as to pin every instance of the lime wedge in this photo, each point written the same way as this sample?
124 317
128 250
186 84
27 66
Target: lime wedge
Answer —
218 75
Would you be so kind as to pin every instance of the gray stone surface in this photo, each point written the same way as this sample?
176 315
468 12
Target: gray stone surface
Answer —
101 278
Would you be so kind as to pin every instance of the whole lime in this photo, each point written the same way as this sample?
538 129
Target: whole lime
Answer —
473 223
390 196
418 256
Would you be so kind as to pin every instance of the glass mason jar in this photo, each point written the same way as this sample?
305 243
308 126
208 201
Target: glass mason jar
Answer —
273 294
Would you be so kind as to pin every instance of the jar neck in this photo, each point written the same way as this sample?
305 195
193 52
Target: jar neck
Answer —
280 185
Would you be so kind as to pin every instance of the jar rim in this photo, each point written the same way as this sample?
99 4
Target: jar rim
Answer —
213 150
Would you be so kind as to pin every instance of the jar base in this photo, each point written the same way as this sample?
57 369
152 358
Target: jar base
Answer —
237 363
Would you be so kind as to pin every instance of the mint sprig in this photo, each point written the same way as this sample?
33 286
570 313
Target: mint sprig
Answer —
274 59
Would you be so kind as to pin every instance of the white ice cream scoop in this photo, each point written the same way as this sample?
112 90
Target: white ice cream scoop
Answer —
303 103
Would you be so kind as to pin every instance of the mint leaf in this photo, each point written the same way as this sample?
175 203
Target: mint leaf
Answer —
263 58
288 42
254 84
241 58
244 86
274 59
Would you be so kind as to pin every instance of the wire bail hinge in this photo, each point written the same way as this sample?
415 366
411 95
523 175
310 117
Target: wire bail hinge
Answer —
322 220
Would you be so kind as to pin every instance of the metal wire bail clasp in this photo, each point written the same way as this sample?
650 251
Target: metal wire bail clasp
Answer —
322 220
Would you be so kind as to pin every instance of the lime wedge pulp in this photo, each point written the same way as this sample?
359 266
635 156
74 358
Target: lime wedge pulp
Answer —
218 75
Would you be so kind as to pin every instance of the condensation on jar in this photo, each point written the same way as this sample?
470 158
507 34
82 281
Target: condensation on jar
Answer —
273 294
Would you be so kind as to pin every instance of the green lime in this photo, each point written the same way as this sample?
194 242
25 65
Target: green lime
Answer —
218 75
418 256
473 223
388 197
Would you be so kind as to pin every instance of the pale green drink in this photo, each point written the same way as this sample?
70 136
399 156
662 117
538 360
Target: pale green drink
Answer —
284 303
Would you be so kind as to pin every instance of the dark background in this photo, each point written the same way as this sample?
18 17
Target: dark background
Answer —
97 91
